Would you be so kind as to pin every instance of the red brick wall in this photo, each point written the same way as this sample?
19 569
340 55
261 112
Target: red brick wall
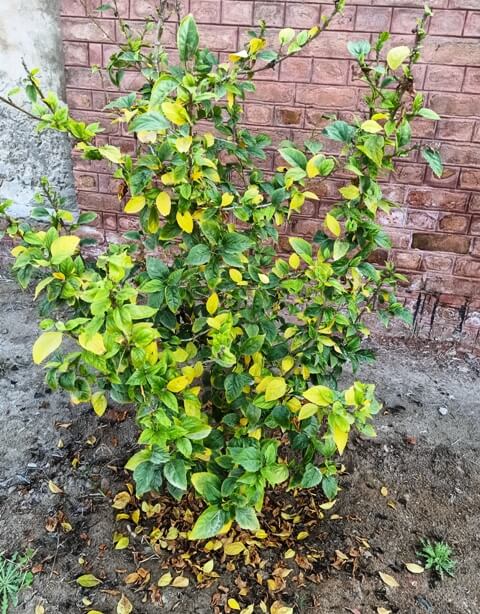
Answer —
436 234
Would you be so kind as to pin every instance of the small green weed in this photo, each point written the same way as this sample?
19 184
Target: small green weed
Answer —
14 577
437 556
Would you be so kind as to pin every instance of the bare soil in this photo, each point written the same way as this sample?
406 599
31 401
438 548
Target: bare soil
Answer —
425 455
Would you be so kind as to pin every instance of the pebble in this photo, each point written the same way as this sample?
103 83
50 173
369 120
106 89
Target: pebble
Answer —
443 411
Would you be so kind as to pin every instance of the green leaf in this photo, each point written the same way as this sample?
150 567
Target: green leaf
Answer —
252 345
275 474
248 458
432 156
88 581
373 148
148 477
359 49
160 90
199 254
234 383
247 518
153 121
428 114
293 156
173 298
340 131
330 487
175 472
187 38
312 476
209 523
207 485
340 248
302 248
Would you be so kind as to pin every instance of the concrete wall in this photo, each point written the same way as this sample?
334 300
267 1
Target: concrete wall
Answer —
29 30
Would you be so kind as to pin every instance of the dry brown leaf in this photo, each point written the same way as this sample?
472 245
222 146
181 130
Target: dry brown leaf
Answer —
279 608
124 606
121 500
388 579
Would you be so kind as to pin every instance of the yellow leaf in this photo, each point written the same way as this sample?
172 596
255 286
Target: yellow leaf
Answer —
328 505
164 203
121 500
146 136
45 345
275 389
180 582
17 250
302 535
88 581
287 363
289 554
384 491
183 143
264 278
388 579
178 383
99 403
371 126
135 204
256 44
381 610
212 303
248 610
63 248
39 609
340 438
122 543
109 152
54 488
414 568
165 580
239 55
175 113
227 199
349 192
332 224
312 170
233 604
307 411
320 395
397 56
185 221
234 548
208 566
93 343
294 261
92 612
278 608
124 606
209 139
235 275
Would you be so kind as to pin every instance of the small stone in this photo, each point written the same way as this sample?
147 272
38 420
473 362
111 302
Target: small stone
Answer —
443 411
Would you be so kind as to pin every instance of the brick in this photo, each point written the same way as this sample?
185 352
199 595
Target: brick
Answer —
434 262
331 45
345 21
472 80
86 181
463 4
403 20
97 202
330 72
475 227
459 105
110 221
472 25
327 97
434 4
466 267
444 78
72 8
220 38
410 173
289 117
85 30
474 203
448 23
475 251
400 239
307 228
437 199
451 51
431 242
258 114
407 260
422 220
470 179
273 92
371 19
455 130
463 155
296 70
452 222
449 179
83 78
302 15
452 285
395 218
476 133
76 53
79 99
206 11
273 13
235 12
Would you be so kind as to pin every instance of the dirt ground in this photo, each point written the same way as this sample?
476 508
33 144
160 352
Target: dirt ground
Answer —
425 455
